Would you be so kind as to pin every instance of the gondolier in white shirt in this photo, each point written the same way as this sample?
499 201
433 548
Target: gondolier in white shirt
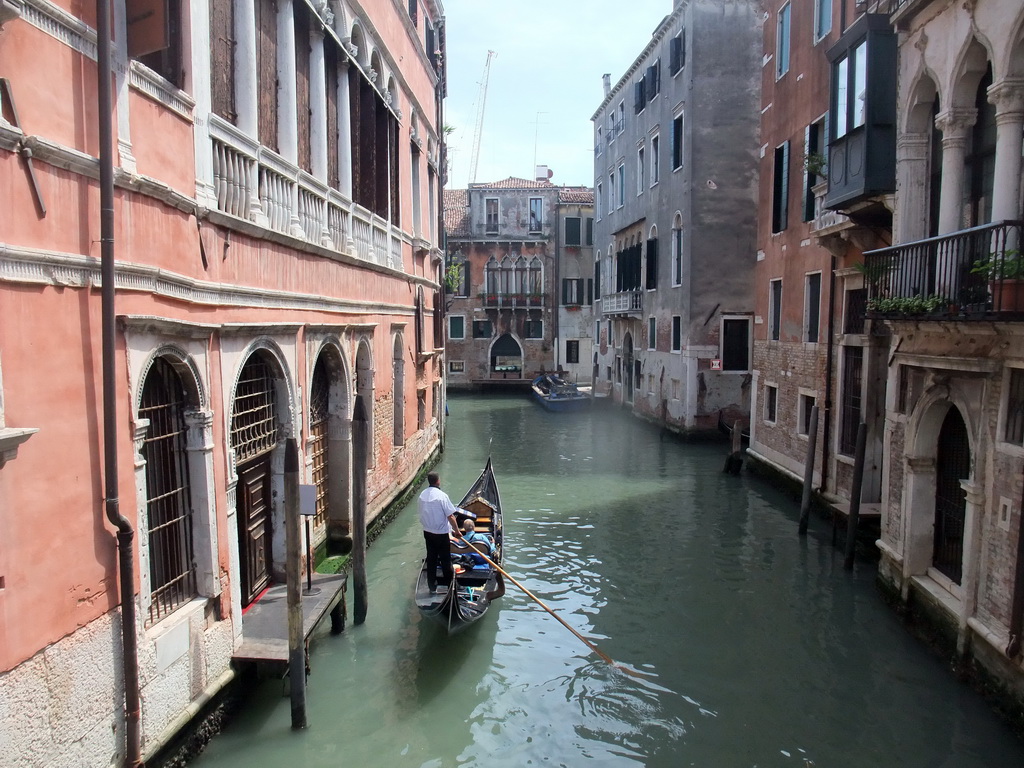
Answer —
437 516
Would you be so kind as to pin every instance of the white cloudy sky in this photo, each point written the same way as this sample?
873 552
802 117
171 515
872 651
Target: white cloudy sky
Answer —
550 55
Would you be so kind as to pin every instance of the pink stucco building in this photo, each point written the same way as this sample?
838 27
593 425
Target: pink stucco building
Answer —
275 240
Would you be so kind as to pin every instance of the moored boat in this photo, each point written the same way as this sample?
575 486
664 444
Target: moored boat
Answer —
475 584
557 394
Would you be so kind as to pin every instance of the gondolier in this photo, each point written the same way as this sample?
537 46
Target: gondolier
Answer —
437 516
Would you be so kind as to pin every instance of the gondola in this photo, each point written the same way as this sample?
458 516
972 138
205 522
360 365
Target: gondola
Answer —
557 394
457 605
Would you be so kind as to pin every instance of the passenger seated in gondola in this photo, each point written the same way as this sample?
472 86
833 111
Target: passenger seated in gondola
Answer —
471 535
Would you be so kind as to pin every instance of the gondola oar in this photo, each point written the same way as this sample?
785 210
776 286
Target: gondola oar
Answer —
541 603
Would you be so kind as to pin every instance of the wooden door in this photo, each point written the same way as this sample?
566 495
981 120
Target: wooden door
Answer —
254 534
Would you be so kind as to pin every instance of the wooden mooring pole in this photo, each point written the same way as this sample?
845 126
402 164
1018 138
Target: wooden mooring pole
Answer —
734 462
361 460
858 479
293 575
812 442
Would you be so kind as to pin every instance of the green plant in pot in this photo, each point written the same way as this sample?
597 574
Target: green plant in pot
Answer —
1004 272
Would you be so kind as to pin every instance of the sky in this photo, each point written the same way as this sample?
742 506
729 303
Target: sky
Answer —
545 81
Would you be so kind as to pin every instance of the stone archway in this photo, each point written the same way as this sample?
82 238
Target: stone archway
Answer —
507 357
627 368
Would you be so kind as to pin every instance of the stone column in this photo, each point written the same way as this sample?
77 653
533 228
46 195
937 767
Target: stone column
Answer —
121 65
954 124
318 104
911 216
287 110
199 83
246 81
344 133
918 516
199 448
1008 97
973 516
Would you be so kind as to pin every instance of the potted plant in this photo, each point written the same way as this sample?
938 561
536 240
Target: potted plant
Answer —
1004 272
907 306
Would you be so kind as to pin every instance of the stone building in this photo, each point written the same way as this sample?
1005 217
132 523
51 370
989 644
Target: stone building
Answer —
273 250
517 255
947 334
675 172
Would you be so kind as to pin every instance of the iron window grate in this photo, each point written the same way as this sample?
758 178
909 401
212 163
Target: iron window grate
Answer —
254 423
318 416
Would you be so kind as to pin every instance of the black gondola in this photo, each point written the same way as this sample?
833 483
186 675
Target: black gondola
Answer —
457 605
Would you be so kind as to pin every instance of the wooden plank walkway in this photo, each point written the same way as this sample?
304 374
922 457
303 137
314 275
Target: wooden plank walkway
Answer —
265 624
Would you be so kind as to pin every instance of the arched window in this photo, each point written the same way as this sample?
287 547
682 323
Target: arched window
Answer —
507 279
492 277
172 574
535 278
677 249
981 157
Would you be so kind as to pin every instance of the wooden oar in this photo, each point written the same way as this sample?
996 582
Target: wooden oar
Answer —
541 603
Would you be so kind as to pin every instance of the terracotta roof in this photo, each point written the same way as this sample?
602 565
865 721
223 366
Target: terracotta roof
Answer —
456 212
515 183
579 195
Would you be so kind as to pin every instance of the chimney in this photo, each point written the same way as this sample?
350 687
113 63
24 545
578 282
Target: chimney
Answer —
607 80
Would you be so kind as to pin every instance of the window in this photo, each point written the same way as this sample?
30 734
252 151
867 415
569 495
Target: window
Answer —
482 329
677 52
611 335
639 95
822 18
533 329
814 165
572 291
597 146
774 310
677 251
782 43
155 39
850 399
414 11
460 286
597 276
599 201
572 351
640 175
677 333
771 401
812 307
735 350
611 192
590 230
856 308
622 185
572 230
803 424
491 215
653 80
850 75
456 327
1013 432
456 366
655 155
652 332
536 214
622 116
677 142
168 506
780 188
652 262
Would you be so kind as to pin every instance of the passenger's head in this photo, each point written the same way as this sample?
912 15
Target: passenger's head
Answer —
433 479
468 526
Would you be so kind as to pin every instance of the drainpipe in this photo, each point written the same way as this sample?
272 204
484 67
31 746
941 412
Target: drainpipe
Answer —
556 288
125 533
829 364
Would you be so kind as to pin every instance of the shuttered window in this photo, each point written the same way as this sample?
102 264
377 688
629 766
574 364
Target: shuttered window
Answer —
780 188
222 58
266 71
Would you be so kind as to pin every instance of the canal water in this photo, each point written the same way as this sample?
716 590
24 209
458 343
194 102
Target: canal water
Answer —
737 642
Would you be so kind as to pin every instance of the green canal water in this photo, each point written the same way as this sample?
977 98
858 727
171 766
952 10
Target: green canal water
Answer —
753 646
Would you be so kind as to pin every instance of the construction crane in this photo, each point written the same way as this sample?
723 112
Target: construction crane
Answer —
481 100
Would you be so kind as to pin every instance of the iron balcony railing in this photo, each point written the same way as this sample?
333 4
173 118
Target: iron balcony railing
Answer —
623 303
970 274
512 300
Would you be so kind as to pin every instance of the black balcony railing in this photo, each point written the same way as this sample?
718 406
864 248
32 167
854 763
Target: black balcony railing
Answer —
973 273
512 300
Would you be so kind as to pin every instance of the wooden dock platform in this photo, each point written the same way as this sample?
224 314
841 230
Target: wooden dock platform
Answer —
265 623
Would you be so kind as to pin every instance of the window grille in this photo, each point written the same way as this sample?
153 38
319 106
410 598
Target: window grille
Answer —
319 399
952 466
853 365
1015 408
254 423
168 500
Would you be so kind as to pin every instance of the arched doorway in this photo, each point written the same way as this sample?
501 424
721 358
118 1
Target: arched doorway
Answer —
398 391
329 447
255 428
507 357
627 368
952 465
364 387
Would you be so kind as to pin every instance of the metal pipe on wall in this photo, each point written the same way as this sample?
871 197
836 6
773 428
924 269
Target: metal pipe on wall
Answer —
125 532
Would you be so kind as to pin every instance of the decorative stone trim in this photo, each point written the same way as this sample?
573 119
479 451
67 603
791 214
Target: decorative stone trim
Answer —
10 439
145 80
9 9
60 25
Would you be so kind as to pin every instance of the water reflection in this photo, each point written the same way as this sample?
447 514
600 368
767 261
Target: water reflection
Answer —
751 646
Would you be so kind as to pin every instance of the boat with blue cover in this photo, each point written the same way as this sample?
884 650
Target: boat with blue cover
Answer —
557 394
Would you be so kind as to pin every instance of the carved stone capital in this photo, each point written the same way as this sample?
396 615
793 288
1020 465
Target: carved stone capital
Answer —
955 123
920 465
9 9
1008 97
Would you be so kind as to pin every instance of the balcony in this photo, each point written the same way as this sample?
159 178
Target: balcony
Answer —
630 303
974 274
257 185
825 220
512 300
